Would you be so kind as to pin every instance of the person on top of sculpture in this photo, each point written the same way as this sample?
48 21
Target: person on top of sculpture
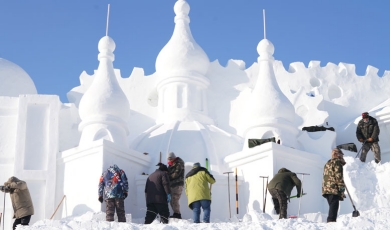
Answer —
333 186
367 132
21 200
113 183
280 188
157 195
176 178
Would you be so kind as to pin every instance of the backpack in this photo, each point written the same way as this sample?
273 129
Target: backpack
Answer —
317 128
348 146
255 142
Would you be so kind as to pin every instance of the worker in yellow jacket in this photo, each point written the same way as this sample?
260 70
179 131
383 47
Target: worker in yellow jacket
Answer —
198 192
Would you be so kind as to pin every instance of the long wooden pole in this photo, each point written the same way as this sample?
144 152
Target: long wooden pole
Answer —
265 199
207 167
300 198
3 211
264 192
58 207
230 212
236 192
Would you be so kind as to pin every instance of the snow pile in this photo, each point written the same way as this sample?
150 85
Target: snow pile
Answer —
367 183
371 219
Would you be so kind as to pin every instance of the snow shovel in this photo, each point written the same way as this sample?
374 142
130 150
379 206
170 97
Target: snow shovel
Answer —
360 149
356 212
296 195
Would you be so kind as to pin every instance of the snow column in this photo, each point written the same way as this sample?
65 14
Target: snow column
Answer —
268 112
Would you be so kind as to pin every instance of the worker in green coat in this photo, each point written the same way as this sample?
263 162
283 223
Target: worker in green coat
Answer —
280 188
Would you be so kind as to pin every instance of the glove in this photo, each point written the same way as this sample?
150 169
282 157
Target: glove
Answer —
169 198
125 194
299 194
5 188
100 199
361 139
342 189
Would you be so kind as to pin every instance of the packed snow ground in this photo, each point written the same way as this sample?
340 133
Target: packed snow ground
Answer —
368 184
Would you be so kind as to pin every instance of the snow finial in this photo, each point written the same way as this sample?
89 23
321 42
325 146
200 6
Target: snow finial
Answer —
265 49
182 9
106 48
108 17
265 33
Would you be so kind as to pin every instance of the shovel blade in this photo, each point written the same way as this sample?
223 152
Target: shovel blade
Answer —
355 213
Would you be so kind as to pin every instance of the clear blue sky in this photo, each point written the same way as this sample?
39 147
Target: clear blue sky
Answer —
54 41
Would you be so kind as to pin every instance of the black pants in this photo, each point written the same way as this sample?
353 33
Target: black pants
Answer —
23 221
279 198
118 205
154 209
334 202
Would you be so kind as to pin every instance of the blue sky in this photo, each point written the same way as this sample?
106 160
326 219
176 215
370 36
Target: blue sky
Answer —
54 41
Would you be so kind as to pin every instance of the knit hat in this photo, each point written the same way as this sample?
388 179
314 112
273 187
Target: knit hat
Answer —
171 155
162 167
365 115
197 164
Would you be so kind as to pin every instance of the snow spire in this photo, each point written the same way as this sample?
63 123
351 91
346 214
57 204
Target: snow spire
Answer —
104 108
265 31
108 18
181 67
268 111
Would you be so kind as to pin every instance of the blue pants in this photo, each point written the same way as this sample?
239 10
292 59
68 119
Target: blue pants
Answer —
205 204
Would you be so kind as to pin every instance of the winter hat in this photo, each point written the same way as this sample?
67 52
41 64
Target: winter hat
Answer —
282 170
197 164
336 152
171 155
162 167
365 115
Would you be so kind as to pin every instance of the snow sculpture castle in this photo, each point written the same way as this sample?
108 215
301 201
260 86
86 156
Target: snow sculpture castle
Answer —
182 108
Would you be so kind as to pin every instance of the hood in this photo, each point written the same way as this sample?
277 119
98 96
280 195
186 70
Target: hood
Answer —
115 168
282 170
13 179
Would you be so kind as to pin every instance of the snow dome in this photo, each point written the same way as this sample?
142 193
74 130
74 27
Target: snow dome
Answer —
182 53
14 80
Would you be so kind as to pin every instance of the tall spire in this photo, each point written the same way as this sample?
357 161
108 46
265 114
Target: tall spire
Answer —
104 108
265 31
268 111
108 18
181 67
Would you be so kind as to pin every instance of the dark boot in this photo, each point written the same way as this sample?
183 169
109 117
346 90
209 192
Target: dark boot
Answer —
176 215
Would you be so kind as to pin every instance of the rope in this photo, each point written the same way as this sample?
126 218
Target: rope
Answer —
154 213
